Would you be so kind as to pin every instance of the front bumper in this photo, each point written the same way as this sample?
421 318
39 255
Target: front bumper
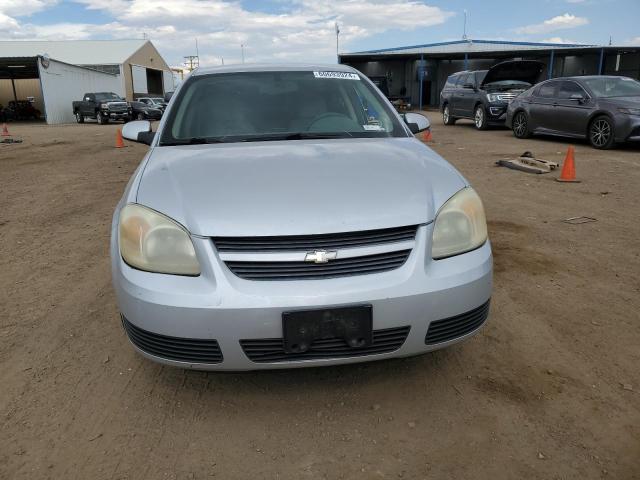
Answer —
497 112
218 306
115 115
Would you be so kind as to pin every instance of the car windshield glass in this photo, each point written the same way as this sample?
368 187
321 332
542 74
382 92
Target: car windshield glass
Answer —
157 100
613 86
106 96
291 105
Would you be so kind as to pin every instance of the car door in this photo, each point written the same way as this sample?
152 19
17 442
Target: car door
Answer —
572 108
541 108
88 104
460 95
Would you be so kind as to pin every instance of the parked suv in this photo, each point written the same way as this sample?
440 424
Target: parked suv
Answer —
484 95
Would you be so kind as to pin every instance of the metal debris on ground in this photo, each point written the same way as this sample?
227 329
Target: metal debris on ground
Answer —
9 141
527 162
579 220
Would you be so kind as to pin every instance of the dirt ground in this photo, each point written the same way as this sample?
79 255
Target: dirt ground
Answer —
549 389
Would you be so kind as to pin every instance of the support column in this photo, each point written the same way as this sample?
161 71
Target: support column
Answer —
421 77
601 64
551 60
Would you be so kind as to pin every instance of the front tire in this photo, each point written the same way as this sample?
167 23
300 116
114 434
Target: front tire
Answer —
601 133
447 119
520 125
480 118
102 120
79 117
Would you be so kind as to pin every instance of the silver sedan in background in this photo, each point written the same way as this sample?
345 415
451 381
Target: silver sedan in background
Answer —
286 216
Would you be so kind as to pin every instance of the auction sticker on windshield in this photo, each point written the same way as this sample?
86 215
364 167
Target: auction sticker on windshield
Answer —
341 75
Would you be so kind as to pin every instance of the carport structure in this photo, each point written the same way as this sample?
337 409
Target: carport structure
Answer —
419 72
51 85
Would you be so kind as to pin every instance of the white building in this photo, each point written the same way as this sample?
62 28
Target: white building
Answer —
54 73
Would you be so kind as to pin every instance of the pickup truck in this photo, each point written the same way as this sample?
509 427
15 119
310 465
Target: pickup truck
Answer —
103 106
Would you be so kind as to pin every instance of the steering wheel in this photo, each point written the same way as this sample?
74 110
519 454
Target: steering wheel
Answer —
332 117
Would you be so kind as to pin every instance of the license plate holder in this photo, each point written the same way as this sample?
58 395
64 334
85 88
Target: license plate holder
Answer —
302 327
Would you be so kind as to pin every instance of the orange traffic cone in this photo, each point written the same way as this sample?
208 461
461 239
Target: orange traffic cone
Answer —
119 142
568 173
5 130
426 136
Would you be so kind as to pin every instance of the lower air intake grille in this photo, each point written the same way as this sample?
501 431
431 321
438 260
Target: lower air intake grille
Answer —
308 271
173 348
272 349
454 327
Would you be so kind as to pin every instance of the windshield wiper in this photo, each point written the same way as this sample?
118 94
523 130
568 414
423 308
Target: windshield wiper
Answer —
193 141
292 136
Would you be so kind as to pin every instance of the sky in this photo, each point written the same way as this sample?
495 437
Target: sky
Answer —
304 30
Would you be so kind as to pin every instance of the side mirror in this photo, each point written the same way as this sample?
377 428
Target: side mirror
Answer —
417 122
167 96
470 86
138 131
578 97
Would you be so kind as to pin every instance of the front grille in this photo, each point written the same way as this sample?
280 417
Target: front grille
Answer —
272 349
454 327
340 267
331 241
190 350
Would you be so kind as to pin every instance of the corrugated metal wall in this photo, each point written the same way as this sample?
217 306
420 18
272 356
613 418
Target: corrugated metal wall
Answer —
63 83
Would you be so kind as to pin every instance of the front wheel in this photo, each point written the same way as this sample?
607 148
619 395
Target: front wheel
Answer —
520 125
601 134
447 119
79 117
480 118
102 120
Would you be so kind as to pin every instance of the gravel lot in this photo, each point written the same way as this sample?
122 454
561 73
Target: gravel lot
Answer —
549 389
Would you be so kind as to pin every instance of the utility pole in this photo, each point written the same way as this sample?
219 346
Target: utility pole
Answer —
242 51
337 41
191 62
464 31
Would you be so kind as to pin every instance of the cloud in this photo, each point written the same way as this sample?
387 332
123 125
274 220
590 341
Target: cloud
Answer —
559 40
561 22
300 30
634 41
23 8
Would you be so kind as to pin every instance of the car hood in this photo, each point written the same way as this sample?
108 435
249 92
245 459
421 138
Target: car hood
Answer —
522 70
297 187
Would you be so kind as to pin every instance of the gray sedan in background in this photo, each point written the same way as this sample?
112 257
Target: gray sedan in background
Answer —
286 216
603 109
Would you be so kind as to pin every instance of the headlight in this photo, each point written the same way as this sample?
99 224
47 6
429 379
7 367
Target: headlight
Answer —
155 243
495 97
104 105
460 225
629 111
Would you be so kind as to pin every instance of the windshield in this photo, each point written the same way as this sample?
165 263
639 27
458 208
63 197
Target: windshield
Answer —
157 100
107 96
613 86
257 106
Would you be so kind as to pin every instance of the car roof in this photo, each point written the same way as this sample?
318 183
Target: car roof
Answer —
273 67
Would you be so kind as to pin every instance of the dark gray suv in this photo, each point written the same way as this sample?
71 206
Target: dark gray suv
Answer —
603 109
483 95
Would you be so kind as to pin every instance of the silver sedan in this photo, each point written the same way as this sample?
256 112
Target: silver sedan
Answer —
286 216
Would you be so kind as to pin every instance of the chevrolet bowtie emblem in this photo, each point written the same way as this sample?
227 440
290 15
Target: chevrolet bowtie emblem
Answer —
320 256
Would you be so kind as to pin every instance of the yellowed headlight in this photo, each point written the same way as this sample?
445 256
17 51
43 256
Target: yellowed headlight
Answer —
460 225
153 242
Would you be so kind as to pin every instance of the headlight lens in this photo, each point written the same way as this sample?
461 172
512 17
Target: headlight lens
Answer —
104 105
494 97
629 111
155 243
460 225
